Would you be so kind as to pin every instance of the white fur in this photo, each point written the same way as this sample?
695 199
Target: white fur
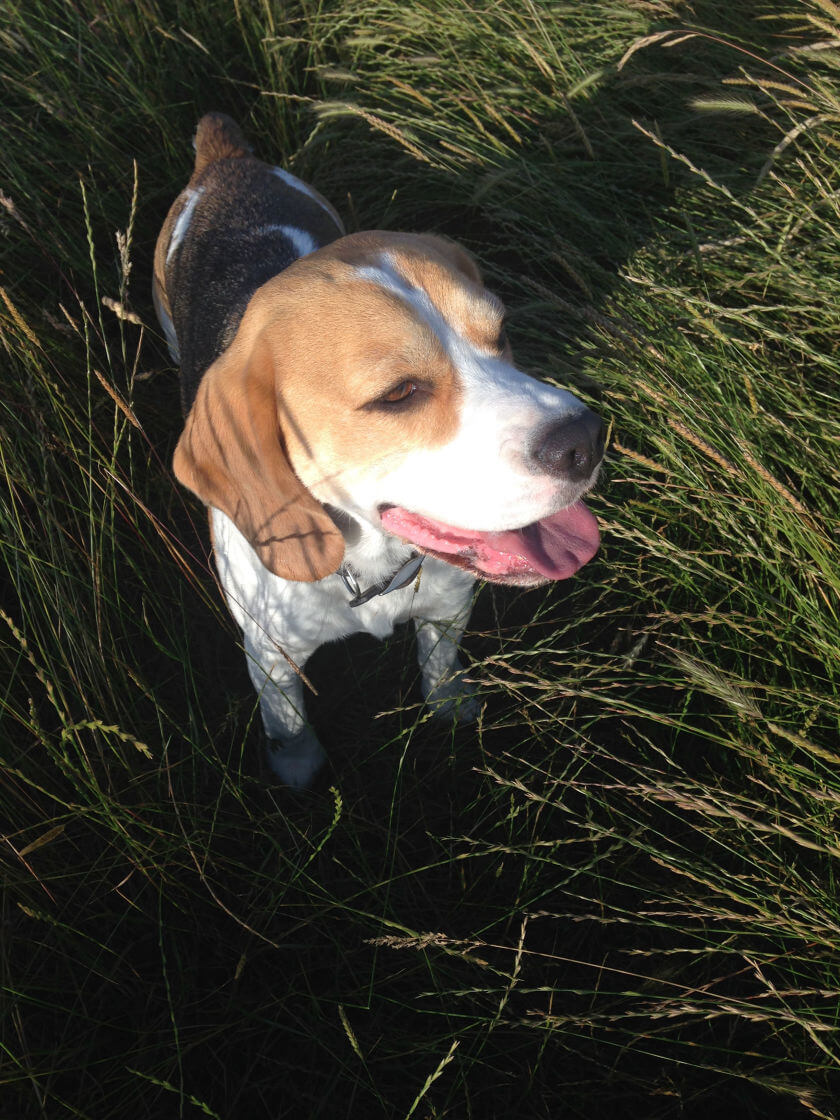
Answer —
168 327
501 409
283 623
481 480
183 220
303 242
299 185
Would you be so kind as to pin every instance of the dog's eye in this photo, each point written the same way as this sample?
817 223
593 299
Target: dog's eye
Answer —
400 392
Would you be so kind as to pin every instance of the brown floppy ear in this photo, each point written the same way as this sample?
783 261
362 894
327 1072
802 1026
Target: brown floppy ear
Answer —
231 455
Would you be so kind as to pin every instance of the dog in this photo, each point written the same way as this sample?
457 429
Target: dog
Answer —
358 429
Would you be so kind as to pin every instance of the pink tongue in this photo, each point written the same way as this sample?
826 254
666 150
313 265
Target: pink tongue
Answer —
554 547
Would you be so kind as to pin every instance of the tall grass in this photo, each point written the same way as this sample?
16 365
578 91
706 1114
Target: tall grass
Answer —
616 895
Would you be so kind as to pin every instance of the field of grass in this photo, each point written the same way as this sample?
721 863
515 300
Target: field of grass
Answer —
616 896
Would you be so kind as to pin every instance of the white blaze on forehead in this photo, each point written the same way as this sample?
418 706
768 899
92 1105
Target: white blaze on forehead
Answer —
183 220
484 477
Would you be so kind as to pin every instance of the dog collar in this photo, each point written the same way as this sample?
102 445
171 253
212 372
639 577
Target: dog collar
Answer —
400 578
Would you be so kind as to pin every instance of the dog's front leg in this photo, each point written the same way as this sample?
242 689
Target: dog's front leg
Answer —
445 688
294 753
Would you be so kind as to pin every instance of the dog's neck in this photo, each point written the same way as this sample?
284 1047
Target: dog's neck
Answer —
369 553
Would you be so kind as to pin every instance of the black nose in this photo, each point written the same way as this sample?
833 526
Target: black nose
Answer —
572 448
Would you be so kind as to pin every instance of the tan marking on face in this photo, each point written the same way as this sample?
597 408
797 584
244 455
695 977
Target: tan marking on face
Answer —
468 308
446 272
291 415
340 343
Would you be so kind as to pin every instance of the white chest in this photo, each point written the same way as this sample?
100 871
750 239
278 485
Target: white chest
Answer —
302 616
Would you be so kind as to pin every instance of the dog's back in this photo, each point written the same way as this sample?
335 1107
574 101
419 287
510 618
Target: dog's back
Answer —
247 222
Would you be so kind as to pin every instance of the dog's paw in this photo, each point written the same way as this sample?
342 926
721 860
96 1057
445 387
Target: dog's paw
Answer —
296 760
454 698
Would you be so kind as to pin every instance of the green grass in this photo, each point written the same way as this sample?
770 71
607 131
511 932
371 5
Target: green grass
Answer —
616 896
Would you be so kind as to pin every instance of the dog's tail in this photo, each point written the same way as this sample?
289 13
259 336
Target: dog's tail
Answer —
218 136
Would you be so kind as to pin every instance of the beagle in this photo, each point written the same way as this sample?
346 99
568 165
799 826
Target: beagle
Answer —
356 425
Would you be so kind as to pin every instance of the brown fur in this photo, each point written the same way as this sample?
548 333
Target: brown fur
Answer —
231 455
447 273
218 136
285 415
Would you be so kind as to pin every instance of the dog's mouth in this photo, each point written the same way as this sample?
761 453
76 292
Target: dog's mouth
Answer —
553 548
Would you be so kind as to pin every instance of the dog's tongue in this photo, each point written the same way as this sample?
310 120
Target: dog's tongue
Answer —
554 548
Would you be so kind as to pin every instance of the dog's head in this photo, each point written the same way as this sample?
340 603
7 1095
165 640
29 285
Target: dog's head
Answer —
374 376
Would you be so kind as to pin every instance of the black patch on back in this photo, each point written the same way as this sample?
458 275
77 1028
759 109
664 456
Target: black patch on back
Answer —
226 254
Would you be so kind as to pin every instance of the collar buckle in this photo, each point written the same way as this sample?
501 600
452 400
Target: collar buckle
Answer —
407 572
